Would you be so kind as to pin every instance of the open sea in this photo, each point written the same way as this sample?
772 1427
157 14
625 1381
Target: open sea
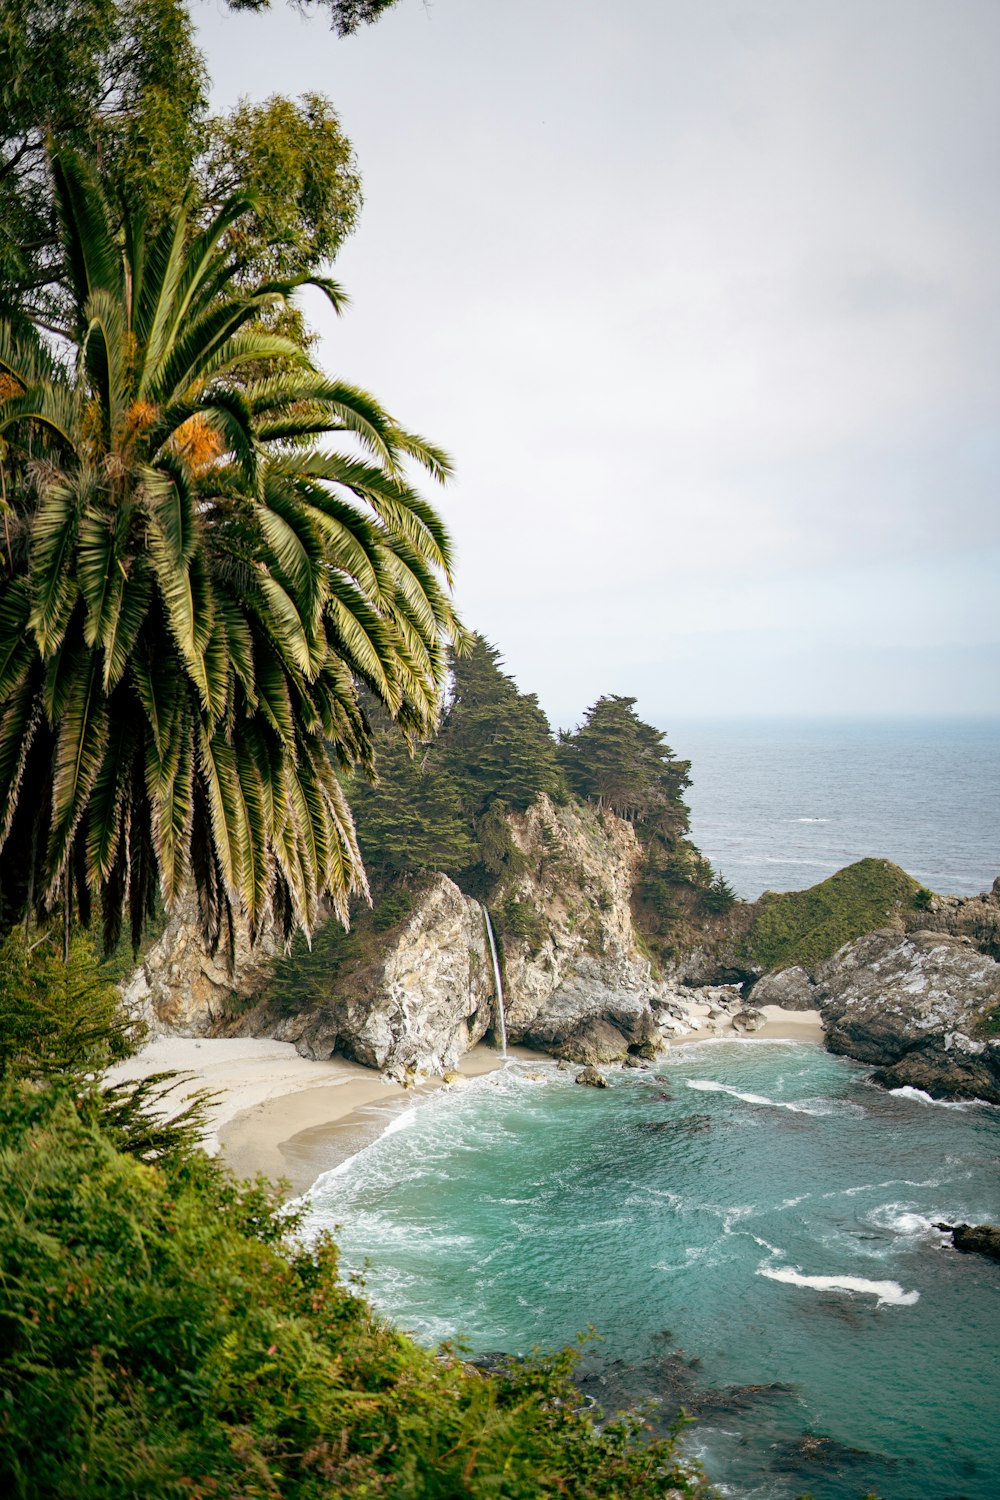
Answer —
749 1226
777 804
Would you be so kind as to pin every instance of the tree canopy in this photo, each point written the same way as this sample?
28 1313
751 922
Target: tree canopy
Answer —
495 741
193 590
345 15
622 763
124 83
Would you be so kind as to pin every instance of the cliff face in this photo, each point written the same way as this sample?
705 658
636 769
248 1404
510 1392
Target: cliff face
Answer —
576 980
577 984
183 989
974 917
922 1005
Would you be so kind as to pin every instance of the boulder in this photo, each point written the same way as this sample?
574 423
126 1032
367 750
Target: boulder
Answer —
923 1006
591 1077
595 1041
748 1020
792 989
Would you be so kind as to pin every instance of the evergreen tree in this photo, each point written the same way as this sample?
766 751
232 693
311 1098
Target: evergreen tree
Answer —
496 742
411 819
624 764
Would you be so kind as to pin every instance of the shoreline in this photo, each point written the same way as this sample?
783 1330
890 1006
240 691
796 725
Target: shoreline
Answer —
290 1118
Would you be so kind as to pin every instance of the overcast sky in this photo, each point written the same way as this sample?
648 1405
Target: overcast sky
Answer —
703 299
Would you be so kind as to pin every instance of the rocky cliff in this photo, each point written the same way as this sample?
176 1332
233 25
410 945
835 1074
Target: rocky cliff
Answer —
413 986
416 994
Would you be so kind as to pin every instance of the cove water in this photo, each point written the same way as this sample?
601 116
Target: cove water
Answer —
778 804
753 1236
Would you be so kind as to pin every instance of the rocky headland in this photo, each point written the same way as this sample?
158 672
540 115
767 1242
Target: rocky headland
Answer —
915 989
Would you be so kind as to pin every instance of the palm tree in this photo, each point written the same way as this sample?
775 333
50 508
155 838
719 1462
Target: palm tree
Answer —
195 582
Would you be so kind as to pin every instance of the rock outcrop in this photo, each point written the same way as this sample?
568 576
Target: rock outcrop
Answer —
577 983
183 989
923 1006
427 997
975 1239
973 917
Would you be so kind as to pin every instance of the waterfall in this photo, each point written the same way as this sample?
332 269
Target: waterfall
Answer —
501 1013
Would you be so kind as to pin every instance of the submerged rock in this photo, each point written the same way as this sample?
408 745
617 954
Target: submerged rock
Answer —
976 1239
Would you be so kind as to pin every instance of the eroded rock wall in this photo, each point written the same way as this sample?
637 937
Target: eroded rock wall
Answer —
577 983
921 1005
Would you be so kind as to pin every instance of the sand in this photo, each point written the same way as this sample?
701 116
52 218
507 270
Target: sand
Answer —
282 1115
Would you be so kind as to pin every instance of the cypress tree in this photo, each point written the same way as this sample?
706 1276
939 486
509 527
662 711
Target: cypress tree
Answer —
411 820
624 764
496 743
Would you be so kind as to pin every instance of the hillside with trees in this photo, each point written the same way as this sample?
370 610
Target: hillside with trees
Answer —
223 602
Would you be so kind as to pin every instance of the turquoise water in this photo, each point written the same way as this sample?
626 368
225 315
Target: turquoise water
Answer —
778 804
771 1220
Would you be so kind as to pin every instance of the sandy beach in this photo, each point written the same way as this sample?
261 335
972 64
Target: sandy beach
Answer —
289 1118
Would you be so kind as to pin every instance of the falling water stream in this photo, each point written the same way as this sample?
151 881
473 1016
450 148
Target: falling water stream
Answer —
501 1013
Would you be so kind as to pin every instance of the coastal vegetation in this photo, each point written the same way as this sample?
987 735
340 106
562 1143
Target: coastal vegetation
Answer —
805 927
196 588
223 605
163 1333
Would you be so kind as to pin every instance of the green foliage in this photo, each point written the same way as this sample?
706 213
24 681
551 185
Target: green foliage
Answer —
121 79
807 927
620 762
923 899
63 1021
57 1019
444 806
298 165
410 820
123 82
345 15
161 1334
718 897
495 742
521 920
195 591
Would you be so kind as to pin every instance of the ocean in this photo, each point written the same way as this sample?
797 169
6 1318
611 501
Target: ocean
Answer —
777 804
748 1227
760 1244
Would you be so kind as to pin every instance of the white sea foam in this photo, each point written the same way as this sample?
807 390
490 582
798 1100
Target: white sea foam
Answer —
403 1121
809 820
906 1092
871 1187
906 1221
888 1292
710 1086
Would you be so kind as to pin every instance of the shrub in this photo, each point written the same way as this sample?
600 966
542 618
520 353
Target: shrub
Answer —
163 1334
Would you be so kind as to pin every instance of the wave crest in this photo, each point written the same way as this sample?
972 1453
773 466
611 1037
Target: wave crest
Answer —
888 1292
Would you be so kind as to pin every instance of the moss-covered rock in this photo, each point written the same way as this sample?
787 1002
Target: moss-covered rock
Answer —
805 928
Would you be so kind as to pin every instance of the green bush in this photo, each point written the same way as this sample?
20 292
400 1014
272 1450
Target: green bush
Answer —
807 927
162 1334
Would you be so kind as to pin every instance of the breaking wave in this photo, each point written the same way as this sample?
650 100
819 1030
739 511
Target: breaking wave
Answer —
888 1292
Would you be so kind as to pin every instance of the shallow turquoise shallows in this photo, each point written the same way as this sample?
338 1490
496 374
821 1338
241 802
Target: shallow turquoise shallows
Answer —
765 1210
